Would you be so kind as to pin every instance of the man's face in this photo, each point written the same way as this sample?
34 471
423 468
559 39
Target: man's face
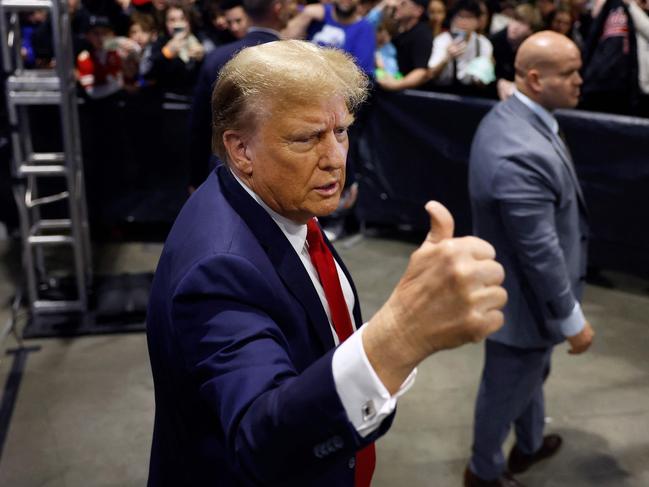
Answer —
237 20
298 158
405 10
560 81
346 7
287 10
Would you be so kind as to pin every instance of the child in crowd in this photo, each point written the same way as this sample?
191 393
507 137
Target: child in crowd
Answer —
99 68
143 32
386 54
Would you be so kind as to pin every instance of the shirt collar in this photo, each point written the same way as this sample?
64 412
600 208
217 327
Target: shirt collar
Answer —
546 117
294 232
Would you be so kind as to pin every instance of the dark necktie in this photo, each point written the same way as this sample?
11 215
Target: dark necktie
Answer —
571 164
323 261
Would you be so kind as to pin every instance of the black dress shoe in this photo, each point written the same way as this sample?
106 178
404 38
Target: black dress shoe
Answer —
505 480
519 462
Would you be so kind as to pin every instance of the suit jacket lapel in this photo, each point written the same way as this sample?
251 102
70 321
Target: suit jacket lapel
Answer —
279 251
558 145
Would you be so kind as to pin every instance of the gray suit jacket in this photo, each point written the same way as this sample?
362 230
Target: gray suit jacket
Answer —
526 201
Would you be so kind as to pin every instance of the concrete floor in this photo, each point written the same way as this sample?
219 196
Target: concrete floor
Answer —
84 412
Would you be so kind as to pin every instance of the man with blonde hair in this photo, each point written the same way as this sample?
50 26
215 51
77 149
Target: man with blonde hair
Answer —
263 373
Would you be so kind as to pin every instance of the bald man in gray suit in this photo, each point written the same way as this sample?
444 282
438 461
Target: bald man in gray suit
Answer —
526 201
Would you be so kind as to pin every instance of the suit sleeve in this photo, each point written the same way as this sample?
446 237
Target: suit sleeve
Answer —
278 425
527 201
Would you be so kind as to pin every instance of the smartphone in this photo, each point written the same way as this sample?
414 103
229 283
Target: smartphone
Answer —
458 35
178 30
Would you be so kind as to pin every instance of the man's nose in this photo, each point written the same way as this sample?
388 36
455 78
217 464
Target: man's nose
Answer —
333 152
578 79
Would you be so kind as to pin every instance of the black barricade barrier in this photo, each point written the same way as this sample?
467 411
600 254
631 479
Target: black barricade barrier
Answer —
416 147
135 151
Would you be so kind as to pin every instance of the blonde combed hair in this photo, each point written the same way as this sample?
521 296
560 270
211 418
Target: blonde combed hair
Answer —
276 76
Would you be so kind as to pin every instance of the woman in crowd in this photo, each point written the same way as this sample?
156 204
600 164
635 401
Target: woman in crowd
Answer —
177 54
563 22
436 16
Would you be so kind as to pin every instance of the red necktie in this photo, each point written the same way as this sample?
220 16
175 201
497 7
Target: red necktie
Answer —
323 261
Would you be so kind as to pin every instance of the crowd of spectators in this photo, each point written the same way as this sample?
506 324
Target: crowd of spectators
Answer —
125 47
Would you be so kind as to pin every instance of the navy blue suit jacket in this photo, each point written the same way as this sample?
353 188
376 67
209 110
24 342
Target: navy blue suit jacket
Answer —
200 117
241 352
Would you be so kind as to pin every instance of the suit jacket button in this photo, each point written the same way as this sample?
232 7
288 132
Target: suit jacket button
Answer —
352 462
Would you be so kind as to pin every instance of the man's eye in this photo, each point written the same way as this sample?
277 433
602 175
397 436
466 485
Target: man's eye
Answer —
303 139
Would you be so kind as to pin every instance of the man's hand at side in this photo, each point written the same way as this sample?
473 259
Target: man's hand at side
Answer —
582 341
449 295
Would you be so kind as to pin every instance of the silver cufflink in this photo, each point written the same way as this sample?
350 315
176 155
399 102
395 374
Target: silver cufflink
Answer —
368 410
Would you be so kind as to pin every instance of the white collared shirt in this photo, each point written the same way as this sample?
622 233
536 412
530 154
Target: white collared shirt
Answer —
366 400
546 117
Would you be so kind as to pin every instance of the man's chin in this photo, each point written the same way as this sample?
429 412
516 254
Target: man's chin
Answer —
326 208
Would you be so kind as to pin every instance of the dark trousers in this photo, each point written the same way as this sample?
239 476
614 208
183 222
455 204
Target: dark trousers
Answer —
511 392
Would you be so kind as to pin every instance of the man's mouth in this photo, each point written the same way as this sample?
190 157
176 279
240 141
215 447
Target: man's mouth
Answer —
328 189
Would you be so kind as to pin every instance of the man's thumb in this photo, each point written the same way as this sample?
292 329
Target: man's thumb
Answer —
441 222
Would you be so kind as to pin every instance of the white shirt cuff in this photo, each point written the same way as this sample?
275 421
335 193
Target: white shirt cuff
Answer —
366 400
573 323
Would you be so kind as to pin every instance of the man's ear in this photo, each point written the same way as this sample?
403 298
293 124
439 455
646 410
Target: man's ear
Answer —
239 154
534 81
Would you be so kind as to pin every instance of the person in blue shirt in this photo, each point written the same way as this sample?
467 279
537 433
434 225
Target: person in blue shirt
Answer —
338 24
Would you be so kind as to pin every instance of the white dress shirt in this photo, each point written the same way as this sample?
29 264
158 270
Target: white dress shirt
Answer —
366 400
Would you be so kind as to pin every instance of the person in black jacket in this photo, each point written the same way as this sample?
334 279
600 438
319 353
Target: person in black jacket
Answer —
177 54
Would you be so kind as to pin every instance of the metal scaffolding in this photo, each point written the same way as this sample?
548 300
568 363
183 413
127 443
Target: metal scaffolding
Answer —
48 217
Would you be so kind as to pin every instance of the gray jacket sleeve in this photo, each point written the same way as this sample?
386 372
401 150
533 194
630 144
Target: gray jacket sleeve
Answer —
527 202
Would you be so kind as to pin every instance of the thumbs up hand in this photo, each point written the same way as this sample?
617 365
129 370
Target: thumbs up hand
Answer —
449 295
441 222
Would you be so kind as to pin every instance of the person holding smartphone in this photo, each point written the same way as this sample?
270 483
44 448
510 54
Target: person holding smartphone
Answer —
452 64
177 54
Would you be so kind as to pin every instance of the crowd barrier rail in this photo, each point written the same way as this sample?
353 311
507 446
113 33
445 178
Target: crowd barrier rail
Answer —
416 145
